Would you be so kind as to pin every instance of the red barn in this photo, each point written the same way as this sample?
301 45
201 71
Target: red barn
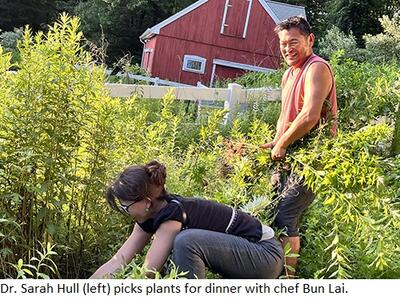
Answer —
213 39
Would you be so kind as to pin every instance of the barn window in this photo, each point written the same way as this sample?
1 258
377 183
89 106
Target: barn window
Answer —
193 63
236 18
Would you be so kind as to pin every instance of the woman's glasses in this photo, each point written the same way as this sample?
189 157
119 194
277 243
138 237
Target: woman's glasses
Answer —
124 209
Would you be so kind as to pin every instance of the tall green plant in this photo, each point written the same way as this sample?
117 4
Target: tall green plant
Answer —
55 136
361 232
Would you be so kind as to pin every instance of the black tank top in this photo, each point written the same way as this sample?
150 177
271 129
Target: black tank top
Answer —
205 214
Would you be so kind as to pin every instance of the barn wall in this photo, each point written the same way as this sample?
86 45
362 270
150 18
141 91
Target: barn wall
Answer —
227 72
170 52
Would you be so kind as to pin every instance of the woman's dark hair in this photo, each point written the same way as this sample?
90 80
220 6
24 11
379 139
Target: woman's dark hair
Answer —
137 182
298 22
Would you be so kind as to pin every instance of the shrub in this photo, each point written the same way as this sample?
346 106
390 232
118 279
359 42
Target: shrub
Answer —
385 47
335 40
356 204
9 41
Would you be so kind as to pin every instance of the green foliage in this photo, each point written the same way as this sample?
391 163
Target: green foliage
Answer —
359 17
384 47
134 271
123 21
360 236
9 39
366 92
55 136
396 135
18 13
258 79
335 40
38 265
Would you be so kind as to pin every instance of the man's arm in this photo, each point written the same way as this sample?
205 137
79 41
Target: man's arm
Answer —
279 124
318 83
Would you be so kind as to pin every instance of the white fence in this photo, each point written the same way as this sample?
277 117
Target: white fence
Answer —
232 97
154 80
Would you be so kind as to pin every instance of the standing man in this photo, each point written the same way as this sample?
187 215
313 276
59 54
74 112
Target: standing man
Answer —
308 99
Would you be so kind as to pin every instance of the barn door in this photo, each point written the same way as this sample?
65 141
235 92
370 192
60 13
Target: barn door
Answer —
236 17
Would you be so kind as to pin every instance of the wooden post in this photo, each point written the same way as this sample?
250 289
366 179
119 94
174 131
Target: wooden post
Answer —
232 102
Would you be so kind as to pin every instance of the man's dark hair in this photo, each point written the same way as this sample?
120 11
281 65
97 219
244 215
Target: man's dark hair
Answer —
298 22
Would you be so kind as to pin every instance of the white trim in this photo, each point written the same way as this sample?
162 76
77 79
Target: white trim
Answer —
156 29
227 4
212 74
237 65
233 216
195 58
247 19
145 51
155 80
146 35
223 25
142 60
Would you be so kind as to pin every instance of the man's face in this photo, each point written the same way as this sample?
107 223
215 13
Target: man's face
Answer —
295 47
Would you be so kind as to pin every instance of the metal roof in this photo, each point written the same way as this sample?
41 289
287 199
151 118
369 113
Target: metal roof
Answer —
280 11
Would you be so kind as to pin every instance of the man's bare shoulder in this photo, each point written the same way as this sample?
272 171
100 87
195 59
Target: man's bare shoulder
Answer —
319 72
319 67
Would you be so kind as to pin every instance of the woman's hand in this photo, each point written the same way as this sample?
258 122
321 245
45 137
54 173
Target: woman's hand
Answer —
269 145
133 245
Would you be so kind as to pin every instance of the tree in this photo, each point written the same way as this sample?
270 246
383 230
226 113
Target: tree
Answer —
316 12
121 22
18 13
335 40
385 46
360 17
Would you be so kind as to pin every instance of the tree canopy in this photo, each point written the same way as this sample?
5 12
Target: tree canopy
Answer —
360 17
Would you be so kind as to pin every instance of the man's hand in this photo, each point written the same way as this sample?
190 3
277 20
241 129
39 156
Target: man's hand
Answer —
278 152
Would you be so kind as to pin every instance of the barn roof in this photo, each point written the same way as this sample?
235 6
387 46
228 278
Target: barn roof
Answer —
280 11
277 10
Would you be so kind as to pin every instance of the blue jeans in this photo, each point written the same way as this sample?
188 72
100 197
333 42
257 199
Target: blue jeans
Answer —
228 255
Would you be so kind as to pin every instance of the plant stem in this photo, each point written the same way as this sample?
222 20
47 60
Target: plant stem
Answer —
395 150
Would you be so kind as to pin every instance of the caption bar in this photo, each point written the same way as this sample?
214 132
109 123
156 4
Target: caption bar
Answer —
221 289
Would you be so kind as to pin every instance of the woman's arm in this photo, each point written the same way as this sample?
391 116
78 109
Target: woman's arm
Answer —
133 245
161 246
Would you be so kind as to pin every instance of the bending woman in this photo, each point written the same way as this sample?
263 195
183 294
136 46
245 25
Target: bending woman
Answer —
199 232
